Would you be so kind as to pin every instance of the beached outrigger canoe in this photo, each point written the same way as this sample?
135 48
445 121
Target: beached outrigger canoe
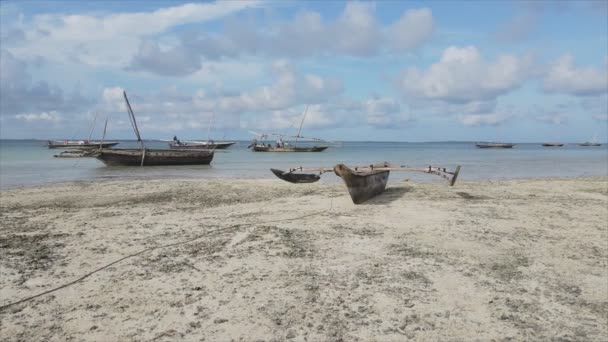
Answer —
363 182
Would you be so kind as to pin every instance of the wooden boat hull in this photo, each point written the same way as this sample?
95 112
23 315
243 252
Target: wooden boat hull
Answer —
553 145
259 148
76 154
589 144
362 185
77 146
153 157
200 146
494 145
296 177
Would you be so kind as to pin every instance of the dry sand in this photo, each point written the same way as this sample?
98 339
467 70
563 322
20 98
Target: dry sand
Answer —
511 260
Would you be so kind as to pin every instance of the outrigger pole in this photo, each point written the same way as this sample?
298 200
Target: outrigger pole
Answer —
363 182
440 171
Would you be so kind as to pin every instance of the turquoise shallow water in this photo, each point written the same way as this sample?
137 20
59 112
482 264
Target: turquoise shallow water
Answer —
29 162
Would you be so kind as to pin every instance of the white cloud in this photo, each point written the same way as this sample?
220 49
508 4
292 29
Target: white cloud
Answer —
170 62
491 119
111 39
46 116
19 94
414 28
82 28
385 112
554 118
281 99
114 100
356 31
597 106
565 77
461 75
518 28
287 90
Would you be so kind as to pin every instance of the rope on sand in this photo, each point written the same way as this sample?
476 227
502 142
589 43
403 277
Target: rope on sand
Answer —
151 249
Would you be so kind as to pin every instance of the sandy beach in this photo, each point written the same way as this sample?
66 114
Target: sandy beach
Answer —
251 260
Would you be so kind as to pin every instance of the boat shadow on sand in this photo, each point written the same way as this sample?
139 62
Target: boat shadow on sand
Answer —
389 195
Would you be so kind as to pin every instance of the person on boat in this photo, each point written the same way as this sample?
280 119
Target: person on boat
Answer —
176 140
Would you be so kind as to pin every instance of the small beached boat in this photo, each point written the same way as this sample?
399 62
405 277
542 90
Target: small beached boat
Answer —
80 144
149 157
362 182
493 145
553 144
362 185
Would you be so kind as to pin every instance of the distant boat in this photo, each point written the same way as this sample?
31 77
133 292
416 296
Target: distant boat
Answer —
200 145
553 144
260 147
283 146
80 144
176 144
593 142
493 145
149 157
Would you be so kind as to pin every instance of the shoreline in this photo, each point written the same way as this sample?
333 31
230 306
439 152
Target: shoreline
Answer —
265 259
335 180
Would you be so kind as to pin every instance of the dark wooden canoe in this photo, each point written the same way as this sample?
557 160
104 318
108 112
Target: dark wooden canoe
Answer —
553 145
133 157
264 148
362 185
493 145
292 177
79 145
200 145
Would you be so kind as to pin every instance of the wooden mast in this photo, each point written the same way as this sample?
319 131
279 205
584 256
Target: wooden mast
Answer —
132 118
300 129
134 124
103 137
92 126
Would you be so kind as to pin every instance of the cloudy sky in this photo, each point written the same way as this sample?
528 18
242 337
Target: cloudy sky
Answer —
389 71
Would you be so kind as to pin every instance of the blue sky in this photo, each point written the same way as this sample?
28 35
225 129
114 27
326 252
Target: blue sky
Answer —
404 71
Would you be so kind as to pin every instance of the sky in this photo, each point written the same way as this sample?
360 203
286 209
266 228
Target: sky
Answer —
521 71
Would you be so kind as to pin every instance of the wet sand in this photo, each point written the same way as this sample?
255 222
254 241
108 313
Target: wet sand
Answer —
266 260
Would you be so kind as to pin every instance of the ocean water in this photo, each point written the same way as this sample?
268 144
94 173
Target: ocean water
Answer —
26 163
